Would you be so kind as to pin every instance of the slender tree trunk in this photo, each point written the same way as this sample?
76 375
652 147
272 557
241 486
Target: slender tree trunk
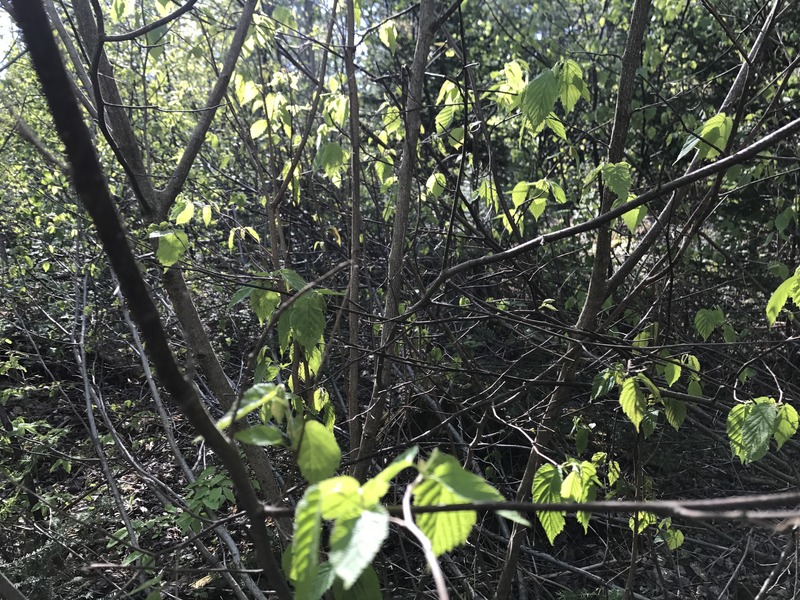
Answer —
416 77
595 296
353 320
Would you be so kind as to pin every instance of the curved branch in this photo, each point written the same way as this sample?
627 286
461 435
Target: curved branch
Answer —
90 184
132 35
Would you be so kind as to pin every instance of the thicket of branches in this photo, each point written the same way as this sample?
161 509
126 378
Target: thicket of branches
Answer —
253 251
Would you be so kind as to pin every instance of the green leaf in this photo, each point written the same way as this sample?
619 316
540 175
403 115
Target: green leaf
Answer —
781 295
445 116
182 212
260 435
318 453
651 387
571 86
264 302
672 537
121 9
539 98
707 320
672 372
445 530
712 135
645 519
305 544
246 92
634 217
715 134
633 402
581 439
284 16
602 384
733 427
171 247
258 128
436 184
758 429
520 193
355 542
558 193
555 125
614 472
308 320
547 489
692 363
675 411
206 212
293 279
470 487
694 388
537 207
617 176
448 471
366 588
388 36
322 582
239 295
650 422
580 485
253 399
786 424
340 498
750 427
331 158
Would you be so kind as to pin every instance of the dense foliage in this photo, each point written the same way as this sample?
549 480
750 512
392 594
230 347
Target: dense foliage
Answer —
406 257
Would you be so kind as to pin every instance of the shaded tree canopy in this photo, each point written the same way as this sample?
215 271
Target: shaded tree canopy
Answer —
285 284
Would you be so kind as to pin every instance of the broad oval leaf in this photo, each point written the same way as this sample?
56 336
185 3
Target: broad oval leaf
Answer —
171 247
757 430
260 435
547 489
633 402
675 411
786 424
305 543
733 427
340 498
258 128
617 176
445 530
355 542
307 320
780 296
539 98
318 453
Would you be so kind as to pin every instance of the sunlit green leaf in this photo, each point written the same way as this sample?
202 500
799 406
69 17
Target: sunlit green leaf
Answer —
633 402
171 247
546 490
388 36
675 411
318 453
258 128
260 435
355 542
305 543
308 320
445 530
539 97
786 424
